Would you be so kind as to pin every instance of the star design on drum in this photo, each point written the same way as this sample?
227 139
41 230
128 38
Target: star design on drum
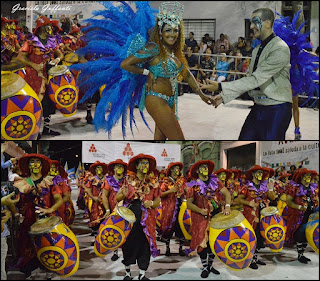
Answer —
275 234
20 127
51 259
67 97
110 238
238 251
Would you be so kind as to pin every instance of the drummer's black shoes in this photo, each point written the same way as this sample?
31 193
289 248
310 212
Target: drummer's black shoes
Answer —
89 118
253 266
205 272
261 262
181 252
114 257
48 132
213 270
303 259
127 277
168 253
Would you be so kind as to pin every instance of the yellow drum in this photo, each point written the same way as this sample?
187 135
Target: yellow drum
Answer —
113 231
282 203
70 59
159 215
273 228
232 239
184 219
312 231
56 246
16 67
63 90
21 109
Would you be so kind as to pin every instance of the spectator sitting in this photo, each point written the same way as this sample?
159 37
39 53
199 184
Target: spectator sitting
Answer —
192 61
247 50
236 66
206 63
222 41
212 47
245 66
255 42
240 44
222 65
191 42
196 50
207 39
202 47
222 50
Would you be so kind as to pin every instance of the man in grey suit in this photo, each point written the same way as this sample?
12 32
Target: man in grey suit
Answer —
267 81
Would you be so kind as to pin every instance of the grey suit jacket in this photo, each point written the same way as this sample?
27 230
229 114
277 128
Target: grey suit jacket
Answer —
272 76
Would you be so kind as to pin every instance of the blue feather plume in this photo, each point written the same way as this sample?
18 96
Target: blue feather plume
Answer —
110 42
303 67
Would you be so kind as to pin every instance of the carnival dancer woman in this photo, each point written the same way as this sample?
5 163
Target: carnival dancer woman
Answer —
121 44
164 54
172 191
254 196
302 201
202 196
141 194
117 171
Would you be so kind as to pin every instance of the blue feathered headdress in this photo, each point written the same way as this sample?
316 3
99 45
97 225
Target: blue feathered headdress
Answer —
303 67
119 32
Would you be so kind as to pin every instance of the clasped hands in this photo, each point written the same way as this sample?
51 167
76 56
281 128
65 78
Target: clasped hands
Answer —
211 86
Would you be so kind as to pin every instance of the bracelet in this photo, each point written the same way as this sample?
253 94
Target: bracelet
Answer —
270 189
58 59
227 205
300 207
151 203
146 72
108 210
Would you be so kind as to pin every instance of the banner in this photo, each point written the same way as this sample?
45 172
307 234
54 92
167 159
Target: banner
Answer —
107 151
287 153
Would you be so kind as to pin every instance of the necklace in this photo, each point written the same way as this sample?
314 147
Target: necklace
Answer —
170 54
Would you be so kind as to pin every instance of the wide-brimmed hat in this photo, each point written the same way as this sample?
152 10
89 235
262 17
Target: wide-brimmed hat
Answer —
180 164
193 169
133 161
284 176
24 164
92 168
221 170
74 30
270 171
235 172
295 173
113 163
62 171
303 172
55 24
253 169
41 21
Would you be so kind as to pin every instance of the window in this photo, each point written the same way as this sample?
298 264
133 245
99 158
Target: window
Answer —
200 28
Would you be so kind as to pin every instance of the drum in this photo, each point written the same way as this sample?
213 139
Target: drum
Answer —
62 90
232 239
113 231
70 59
184 219
56 246
282 203
272 228
21 109
159 214
312 231
16 67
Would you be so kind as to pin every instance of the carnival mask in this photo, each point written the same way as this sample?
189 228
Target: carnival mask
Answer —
118 170
54 171
99 170
222 176
306 178
175 171
48 29
257 22
258 175
35 165
143 166
203 170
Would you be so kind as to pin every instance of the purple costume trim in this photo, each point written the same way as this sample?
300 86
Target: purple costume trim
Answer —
51 44
114 183
57 179
205 189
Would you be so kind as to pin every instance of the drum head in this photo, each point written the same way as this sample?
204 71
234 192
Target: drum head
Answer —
126 213
58 70
11 83
269 211
221 221
72 58
44 225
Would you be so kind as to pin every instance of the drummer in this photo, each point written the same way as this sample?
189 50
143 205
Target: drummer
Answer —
254 196
117 171
79 181
9 41
172 192
38 197
202 201
60 177
141 194
39 53
94 189
302 200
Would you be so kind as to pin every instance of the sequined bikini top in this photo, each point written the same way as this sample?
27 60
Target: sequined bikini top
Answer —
159 70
